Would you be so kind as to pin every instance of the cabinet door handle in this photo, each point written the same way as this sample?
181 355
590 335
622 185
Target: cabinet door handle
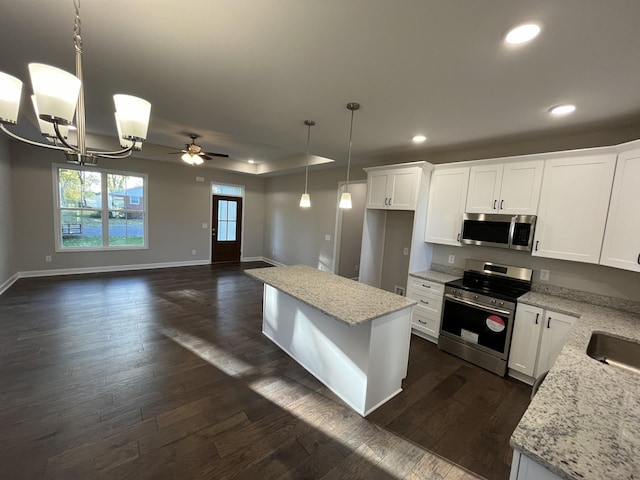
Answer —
389 201
639 259
426 303
537 317
385 202
549 322
494 204
422 322
501 204
426 286
458 237
537 242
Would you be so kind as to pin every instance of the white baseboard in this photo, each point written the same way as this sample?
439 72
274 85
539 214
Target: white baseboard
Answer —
6 285
273 262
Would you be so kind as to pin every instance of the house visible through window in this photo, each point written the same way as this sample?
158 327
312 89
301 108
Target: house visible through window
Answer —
99 209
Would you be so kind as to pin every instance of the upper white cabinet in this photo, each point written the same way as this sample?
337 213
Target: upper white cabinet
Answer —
447 198
573 207
510 188
393 188
621 247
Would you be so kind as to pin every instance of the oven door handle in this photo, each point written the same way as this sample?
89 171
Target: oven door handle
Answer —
486 308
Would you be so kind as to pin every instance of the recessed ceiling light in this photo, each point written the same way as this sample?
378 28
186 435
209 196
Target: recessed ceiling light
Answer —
419 138
252 161
562 109
522 34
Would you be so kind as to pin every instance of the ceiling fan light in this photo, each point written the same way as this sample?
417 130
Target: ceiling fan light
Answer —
345 200
305 200
187 158
46 128
10 93
133 114
197 160
56 92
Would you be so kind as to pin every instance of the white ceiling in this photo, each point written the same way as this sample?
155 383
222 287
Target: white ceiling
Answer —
245 74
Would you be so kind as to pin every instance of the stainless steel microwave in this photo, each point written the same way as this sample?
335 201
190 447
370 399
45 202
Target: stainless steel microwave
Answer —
496 230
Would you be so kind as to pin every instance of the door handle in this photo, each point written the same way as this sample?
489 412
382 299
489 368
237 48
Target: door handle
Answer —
549 322
537 317
537 242
494 204
501 204
458 237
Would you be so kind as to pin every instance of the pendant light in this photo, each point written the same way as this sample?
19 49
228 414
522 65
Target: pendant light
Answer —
305 200
345 198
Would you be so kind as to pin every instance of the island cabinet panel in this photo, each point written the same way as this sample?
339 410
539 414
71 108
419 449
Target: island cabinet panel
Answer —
573 207
621 247
362 363
511 188
393 188
447 198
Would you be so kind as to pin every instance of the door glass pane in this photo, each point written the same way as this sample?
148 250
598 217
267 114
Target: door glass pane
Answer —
222 231
81 228
222 209
231 233
233 210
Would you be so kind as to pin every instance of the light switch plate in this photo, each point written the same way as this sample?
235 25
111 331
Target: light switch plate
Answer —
327 238
452 258
544 274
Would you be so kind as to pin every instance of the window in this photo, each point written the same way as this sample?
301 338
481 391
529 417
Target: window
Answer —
99 209
227 219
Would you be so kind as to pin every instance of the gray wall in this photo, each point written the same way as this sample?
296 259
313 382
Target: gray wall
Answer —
7 265
575 275
177 208
351 234
294 235
397 237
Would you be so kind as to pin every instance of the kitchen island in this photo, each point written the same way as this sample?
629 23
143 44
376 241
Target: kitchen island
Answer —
352 337
584 421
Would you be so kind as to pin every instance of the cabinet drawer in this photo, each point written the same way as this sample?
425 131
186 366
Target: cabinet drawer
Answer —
427 304
425 286
425 323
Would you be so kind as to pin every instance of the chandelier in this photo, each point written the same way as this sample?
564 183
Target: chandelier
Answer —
57 96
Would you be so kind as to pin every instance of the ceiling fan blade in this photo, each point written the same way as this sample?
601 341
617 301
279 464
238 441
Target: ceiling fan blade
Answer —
205 157
177 153
213 154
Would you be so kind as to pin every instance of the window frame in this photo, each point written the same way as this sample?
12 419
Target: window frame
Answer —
104 209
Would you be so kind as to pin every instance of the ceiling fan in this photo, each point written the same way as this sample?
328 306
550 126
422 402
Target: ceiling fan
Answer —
193 154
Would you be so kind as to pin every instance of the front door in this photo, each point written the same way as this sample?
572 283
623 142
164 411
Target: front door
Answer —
226 227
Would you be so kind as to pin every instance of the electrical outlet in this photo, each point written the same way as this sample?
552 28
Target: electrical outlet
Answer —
327 238
193 252
199 179
205 225
47 259
399 290
544 274
405 251
452 258
357 268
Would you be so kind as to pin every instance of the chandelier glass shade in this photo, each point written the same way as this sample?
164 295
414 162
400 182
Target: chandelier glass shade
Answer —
58 97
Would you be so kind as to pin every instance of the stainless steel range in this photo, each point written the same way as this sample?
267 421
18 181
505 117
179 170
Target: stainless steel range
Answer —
478 313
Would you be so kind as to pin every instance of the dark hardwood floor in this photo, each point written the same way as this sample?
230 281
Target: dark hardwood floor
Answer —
165 374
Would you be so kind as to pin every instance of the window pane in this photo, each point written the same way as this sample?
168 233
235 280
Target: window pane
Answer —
126 229
233 207
227 190
222 209
231 233
79 188
81 228
125 192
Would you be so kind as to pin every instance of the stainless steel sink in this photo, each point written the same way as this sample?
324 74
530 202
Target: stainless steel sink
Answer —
615 351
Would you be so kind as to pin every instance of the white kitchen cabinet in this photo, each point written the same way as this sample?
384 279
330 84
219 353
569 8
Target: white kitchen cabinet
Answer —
573 207
538 336
425 316
447 198
393 188
509 188
621 247
524 468
525 339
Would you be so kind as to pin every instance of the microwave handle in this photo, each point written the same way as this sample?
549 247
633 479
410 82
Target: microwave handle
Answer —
512 230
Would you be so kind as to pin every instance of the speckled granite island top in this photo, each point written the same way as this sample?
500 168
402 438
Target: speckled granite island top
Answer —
584 422
343 299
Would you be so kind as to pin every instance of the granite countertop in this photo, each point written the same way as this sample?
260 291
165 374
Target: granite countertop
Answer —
584 422
434 276
346 300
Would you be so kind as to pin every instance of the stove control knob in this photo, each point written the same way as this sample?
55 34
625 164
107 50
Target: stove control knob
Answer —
493 300
501 304
475 297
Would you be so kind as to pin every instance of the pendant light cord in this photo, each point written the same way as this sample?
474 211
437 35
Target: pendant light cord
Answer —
353 107
306 172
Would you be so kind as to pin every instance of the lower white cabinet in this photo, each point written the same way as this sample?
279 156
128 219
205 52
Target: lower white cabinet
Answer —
538 337
523 468
425 316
